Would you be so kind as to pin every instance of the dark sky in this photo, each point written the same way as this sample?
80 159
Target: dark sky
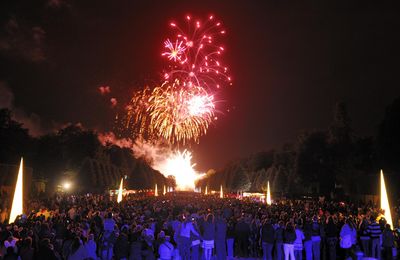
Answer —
290 64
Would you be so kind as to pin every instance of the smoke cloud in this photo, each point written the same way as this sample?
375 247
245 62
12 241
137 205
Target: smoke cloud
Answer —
31 121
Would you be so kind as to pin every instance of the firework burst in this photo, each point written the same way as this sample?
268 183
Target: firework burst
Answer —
196 56
179 113
174 111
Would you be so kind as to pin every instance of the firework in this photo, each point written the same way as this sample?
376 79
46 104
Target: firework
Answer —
196 55
178 164
182 108
174 111
179 113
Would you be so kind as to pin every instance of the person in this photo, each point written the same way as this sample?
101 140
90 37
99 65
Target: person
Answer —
196 241
26 252
230 237
135 251
307 238
11 242
242 232
331 238
289 236
346 238
208 236
267 239
388 242
316 238
10 255
220 237
185 230
109 223
374 231
364 236
90 247
78 251
279 241
298 243
46 250
121 247
166 249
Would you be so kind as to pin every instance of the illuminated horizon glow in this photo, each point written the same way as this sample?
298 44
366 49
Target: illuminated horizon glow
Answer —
385 201
17 207
119 197
268 200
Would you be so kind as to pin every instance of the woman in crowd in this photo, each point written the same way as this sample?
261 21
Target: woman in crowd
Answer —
289 236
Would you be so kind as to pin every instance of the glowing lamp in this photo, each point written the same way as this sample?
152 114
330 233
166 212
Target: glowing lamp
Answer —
119 198
268 194
17 204
385 202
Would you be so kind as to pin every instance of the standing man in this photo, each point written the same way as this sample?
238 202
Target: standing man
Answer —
220 237
375 232
316 238
267 239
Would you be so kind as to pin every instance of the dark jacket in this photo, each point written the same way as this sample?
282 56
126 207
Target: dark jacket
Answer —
289 236
387 238
279 235
268 233
121 247
208 231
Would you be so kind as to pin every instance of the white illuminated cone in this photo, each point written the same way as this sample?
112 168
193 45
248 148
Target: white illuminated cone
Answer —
206 192
221 193
268 195
156 191
119 198
165 191
17 204
385 202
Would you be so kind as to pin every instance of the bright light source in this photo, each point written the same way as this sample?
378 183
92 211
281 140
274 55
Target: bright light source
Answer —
221 193
66 185
156 191
385 202
119 198
268 195
17 204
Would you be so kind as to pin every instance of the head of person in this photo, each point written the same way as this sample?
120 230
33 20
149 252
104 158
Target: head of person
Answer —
387 227
210 218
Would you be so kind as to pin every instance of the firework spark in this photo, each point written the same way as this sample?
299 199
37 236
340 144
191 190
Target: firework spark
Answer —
179 164
196 55
172 111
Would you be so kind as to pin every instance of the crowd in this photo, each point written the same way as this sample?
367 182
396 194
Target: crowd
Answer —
193 226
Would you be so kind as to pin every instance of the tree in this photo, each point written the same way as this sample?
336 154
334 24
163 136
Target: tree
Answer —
389 137
15 140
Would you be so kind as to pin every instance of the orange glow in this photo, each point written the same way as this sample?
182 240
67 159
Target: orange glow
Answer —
17 204
269 202
385 201
119 198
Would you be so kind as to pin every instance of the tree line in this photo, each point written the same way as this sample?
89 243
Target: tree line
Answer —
331 162
76 154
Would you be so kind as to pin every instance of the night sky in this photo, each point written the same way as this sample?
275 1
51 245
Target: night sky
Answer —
290 64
